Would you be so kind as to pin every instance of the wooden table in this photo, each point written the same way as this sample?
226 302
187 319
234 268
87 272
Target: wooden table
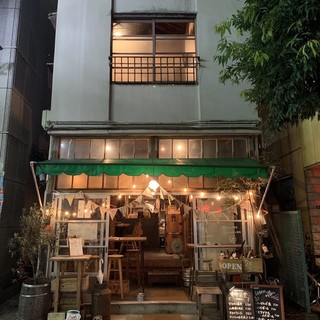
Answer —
139 241
61 261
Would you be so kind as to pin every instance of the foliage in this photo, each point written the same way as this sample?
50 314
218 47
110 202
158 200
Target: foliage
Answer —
277 53
35 231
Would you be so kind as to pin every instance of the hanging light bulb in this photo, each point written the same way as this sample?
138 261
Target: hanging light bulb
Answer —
153 185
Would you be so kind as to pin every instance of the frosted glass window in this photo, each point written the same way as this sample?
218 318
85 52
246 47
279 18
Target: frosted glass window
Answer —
141 149
67 148
95 182
180 182
180 148
126 149
82 149
240 148
195 148
64 181
196 182
125 182
209 148
165 148
140 182
80 181
224 148
97 148
112 149
110 182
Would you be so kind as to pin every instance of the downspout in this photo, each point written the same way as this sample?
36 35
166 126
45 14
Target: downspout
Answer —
36 183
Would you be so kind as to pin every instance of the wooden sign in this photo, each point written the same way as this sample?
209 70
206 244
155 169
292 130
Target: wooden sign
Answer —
240 304
268 302
230 265
253 265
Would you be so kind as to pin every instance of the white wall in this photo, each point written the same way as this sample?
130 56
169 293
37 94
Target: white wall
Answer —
81 70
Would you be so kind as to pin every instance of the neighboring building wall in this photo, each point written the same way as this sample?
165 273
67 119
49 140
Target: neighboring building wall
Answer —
23 94
298 152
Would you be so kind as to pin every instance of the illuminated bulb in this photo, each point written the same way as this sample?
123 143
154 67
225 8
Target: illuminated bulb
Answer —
47 212
162 149
250 193
147 176
129 196
119 196
201 194
117 34
108 148
219 197
103 204
179 147
185 189
134 186
191 196
236 198
153 185
74 214
85 210
66 213
169 181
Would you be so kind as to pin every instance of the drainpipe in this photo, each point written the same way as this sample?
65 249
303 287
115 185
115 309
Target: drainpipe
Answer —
36 183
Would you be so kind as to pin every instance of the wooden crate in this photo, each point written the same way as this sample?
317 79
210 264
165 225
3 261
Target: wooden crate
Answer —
114 286
69 284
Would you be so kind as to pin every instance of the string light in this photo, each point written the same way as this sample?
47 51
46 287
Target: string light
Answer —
185 189
133 186
153 185
202 194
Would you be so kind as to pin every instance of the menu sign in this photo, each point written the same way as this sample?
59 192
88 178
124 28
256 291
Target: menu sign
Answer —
240 304
268 302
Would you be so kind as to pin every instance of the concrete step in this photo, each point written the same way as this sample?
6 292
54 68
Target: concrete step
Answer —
149 307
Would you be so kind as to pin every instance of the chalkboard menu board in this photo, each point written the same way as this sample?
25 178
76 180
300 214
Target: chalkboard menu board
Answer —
240 304
260 302
268 302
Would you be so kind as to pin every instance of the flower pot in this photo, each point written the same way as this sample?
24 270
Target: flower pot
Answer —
34 300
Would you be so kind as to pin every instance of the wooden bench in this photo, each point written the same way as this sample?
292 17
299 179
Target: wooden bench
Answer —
164 276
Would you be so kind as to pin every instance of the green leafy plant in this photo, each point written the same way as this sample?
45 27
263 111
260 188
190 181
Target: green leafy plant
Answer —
275 47
35 234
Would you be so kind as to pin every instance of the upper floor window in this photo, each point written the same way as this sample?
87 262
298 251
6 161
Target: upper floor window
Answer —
153 50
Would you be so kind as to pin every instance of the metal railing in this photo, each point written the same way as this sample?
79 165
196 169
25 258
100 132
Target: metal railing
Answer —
165 69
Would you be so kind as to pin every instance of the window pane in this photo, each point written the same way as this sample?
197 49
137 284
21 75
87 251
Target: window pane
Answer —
240 148
210 182
97 149
64 181
165 148
132 46
140 182
95 182
195 150
224 148
110 182
196 182
180 148
80 181
112 149
174 27
141 149
180 182
129 28
82 149
175 45
125 182
67 149
209 148
165 182
126 148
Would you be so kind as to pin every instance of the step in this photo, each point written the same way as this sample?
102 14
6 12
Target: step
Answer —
150 307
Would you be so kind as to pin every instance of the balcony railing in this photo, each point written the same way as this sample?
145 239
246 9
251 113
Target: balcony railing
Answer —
160 69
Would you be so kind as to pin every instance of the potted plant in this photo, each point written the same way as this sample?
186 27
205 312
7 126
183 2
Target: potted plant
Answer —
35 237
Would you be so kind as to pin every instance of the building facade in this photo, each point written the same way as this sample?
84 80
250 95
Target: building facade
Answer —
136 97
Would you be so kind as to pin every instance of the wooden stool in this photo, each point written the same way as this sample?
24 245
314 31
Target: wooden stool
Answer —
115 265
135 254
212 292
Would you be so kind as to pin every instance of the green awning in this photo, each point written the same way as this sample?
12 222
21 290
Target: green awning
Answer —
211 168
